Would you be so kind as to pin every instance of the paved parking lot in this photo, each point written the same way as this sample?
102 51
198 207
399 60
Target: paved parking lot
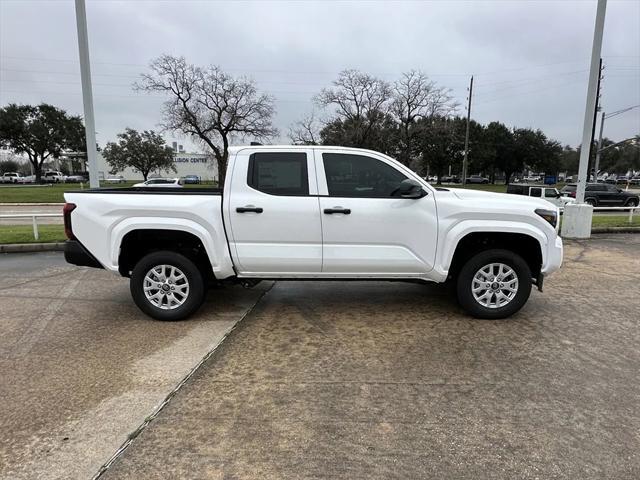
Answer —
81 368
335 380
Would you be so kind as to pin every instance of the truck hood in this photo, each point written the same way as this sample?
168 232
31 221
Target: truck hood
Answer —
481 196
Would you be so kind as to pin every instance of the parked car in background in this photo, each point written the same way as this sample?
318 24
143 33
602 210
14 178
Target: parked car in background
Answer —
635 180
161 183
77 178
115 179
550 194
604 195
53 176
477 179
192 179
533 179
11 177
450 179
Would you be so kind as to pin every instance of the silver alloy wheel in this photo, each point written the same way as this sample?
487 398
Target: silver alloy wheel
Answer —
166 287
494 285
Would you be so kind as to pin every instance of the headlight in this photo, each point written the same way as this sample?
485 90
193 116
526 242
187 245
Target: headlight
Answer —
549 215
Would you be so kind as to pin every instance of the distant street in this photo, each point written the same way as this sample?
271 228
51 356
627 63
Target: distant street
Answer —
7 209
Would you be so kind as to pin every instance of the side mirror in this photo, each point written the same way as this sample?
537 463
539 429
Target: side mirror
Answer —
411 189
558 195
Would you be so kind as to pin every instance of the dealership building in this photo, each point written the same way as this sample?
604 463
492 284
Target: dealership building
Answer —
200 164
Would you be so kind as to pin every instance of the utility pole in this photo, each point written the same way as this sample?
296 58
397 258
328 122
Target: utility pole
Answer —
604 117
87 93
597 161
593 127
466 135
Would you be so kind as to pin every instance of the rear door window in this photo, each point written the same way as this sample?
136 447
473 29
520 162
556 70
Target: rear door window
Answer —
279 173
535 192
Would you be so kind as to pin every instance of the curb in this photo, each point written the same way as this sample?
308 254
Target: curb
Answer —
616 230
32 247
31 204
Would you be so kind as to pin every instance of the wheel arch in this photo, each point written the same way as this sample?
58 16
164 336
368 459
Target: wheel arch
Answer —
528 243
134 243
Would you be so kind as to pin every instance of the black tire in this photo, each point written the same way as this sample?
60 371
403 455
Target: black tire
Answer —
591 201
465 281
195 293
632 202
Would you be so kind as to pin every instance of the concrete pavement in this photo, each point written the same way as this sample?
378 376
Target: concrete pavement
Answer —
391 380
80 366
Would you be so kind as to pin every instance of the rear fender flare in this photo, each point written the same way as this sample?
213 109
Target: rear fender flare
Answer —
131 224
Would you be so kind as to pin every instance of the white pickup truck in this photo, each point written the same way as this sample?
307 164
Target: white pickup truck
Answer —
11 177
324 213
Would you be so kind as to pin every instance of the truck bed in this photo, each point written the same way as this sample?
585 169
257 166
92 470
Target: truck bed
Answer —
154 190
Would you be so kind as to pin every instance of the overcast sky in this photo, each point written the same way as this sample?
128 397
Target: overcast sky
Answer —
530 58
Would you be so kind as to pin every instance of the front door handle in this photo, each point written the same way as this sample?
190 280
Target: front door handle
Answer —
331 211
249 208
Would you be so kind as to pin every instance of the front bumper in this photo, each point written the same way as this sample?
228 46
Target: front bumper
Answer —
76 254
555 252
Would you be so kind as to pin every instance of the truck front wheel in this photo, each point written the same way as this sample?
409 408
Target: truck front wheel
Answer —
167 286
494 284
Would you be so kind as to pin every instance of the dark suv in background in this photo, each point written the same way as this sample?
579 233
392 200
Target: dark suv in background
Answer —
603 195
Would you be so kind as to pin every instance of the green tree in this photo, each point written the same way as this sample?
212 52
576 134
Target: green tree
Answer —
9 166
381 133
41 132
569 159
441 143
145 152
620 158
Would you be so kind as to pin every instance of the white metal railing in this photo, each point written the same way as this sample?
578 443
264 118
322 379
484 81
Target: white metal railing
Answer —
33 217
631 210
36 235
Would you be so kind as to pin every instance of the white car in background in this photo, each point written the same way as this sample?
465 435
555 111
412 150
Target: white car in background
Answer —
115 179
54 176
161 183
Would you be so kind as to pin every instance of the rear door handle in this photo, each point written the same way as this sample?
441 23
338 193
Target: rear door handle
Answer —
249 208
331 211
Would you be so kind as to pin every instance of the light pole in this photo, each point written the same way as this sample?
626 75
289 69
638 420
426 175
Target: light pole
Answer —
604 117
577 217
87 93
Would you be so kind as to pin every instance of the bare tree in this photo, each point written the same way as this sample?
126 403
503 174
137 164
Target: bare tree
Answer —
305 131
210 105
416 97
360 99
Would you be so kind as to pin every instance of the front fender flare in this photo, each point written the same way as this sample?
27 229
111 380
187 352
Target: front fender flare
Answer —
452 237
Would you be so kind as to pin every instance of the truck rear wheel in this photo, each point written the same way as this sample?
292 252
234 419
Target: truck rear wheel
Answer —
167 286
494 284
